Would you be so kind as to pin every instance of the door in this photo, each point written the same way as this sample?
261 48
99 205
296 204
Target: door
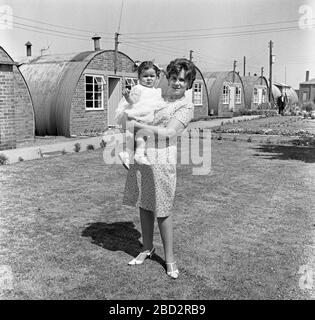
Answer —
260 96
232 98
114 96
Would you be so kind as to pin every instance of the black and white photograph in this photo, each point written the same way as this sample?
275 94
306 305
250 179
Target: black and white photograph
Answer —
157 151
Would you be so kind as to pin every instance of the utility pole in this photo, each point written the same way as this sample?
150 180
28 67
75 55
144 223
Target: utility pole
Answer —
190 55
285 74
244 66
116 51
261 74
234 67
270 69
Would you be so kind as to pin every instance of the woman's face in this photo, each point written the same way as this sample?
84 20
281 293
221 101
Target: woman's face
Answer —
177 85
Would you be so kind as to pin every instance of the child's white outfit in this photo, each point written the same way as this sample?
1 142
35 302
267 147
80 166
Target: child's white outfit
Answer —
148 100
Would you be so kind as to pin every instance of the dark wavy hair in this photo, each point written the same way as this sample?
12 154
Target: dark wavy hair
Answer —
177 65
146 65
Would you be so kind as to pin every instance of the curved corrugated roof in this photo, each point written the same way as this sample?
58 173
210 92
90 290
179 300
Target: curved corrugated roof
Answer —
214 82
291 93
52 80
249 82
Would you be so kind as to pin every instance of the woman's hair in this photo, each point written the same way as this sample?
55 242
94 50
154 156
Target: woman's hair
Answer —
177 65
146 65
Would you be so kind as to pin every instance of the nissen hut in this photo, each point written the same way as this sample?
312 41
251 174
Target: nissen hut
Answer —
16 107
255 91
77 93
226 92
278 88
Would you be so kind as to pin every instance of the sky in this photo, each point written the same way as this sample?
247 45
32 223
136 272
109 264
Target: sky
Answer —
217 31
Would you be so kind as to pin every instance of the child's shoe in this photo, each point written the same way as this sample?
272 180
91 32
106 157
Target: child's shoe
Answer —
124 157
141 159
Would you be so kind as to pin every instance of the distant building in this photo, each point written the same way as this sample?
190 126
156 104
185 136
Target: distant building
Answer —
226 92
77 93
256 91
278 88
16 107
307 89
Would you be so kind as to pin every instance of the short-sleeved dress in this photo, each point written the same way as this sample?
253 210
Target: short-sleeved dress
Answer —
153 187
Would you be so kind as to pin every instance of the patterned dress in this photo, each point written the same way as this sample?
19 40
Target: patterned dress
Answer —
153 187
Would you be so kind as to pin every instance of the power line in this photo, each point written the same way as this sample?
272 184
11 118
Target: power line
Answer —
214 28
217 35
59 26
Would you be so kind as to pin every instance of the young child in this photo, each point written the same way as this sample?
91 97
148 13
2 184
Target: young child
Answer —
139 103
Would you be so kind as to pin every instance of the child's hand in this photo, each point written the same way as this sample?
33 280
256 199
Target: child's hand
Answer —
125 93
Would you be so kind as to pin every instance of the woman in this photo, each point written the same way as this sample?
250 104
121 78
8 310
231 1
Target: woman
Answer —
152 188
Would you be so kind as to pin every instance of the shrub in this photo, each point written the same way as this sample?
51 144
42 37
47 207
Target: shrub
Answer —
77 147
63 151
20 159
308 106
249 139
3 159
219 137
90 147
234 139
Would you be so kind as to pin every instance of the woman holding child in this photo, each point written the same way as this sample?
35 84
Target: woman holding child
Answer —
152 187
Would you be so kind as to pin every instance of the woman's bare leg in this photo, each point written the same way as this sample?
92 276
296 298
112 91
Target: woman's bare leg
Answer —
147 228
166 231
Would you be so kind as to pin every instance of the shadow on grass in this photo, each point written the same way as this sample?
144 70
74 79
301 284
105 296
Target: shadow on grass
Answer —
284 152
118 236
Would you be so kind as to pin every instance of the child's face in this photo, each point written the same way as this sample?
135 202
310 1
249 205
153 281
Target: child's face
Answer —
148 78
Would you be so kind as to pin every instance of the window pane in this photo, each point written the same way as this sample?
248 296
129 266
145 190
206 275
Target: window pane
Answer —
89 96
89 104
88 79
89 87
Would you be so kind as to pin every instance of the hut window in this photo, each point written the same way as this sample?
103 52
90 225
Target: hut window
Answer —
94 92
130 82
197 97
225 94
238 92
255 100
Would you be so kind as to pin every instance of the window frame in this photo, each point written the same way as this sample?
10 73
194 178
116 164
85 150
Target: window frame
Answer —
238 96
255 95
197 95
226 96
134 80
93 92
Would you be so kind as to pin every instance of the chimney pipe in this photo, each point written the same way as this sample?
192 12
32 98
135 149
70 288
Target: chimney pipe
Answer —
28 49
307 76
96 40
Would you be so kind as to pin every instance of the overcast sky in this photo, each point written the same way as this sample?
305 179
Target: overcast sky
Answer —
218 31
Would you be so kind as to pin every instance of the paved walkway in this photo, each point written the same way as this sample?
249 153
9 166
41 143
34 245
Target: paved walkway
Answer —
42 151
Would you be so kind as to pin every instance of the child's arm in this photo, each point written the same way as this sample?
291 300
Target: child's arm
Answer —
132 96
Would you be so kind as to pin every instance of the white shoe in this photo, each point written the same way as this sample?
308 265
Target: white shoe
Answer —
139 259
174 273
124 157
141 159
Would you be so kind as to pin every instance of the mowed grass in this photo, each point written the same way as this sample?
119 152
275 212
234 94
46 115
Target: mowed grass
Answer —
242 232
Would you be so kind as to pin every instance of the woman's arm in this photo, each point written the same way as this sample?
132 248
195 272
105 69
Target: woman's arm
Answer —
173 128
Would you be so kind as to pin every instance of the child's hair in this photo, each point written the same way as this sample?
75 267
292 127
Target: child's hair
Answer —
146 65
177 65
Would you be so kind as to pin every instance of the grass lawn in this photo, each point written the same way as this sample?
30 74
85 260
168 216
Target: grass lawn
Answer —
242 232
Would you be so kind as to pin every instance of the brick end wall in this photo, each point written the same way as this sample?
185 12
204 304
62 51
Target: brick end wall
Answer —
82 120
